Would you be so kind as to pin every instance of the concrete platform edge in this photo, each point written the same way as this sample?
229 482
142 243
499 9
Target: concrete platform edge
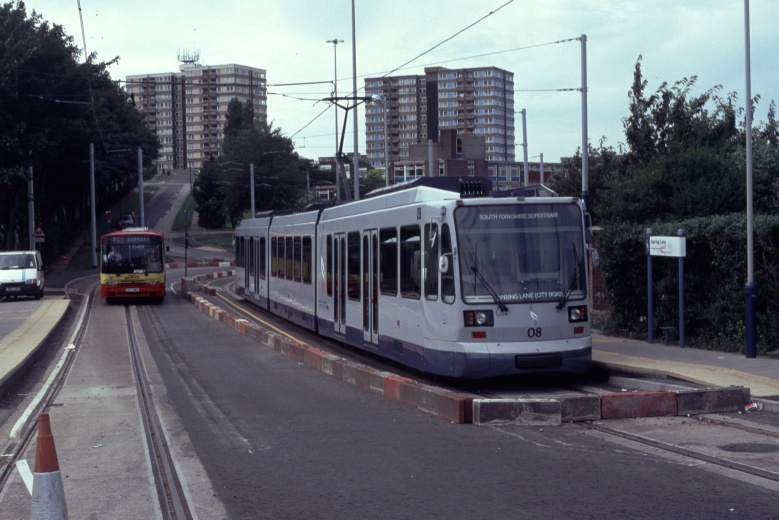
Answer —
466 408
20 347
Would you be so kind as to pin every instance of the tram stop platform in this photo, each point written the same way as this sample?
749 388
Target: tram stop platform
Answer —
25 325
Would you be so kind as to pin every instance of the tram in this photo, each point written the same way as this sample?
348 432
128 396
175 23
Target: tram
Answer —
439 274
132 264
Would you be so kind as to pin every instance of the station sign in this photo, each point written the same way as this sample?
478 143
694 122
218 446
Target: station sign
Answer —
675 247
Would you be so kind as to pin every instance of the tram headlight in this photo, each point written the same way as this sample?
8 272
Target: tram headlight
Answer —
478 318
577 314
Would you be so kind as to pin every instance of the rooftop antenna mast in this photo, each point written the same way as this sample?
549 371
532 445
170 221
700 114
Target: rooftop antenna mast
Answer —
188 57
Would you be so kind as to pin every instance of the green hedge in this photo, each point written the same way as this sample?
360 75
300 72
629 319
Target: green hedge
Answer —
715 273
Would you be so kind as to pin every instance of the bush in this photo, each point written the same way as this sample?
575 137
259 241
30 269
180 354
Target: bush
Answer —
715 273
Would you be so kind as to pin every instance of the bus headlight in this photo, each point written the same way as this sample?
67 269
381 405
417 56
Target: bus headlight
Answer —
577 314
478 318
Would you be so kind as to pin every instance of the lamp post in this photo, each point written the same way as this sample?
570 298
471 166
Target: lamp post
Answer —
354 119
750 289
335 42
526 175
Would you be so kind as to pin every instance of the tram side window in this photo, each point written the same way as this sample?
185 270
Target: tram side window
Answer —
263 261
410 270
282 258
353 252
274 256
290 259
297 262
447 277
239 252
388 261
431 261
329 262
251 255
307 250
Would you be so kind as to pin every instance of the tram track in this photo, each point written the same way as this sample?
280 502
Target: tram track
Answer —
173 503
172 500
611 432
23 431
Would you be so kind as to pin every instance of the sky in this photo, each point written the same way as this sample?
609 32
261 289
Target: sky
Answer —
538 41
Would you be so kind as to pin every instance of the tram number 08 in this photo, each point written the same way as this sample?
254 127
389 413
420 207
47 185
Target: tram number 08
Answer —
534 332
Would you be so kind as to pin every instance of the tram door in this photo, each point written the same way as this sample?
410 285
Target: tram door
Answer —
370 286
339 283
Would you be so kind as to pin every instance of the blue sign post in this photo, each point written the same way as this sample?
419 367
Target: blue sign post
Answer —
675 247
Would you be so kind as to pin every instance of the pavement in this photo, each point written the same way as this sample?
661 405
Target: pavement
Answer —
118 482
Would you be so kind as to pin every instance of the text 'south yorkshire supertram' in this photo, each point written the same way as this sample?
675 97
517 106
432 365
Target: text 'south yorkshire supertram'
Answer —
132 264
442 275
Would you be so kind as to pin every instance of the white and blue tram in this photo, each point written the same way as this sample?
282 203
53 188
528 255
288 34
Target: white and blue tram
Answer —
439 274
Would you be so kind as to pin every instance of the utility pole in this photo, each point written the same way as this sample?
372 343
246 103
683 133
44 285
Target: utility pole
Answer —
140 185
585 139
356 168
30 209
335 42
526 174
750 289
92 203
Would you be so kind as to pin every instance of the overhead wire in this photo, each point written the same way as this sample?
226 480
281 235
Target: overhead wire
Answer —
419 56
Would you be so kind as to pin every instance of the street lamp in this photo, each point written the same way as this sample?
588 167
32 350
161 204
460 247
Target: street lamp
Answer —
335 42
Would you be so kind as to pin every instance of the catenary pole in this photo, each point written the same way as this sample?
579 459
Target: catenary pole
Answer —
356 166
750 289
585 139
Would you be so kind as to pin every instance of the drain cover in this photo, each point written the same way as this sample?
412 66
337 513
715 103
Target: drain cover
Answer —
751 447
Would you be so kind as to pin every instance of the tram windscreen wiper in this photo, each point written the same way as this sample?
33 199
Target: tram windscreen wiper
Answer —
501 305
571 280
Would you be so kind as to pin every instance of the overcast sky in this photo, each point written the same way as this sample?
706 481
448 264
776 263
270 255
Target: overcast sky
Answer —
287 38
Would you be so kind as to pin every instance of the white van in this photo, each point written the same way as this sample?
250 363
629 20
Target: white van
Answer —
21 274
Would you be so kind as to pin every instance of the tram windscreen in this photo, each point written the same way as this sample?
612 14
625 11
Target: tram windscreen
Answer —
139 254
521 253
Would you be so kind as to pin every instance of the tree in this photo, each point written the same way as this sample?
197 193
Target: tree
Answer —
374 179
603 163
240 116
209 197
682 158
280 174
51 108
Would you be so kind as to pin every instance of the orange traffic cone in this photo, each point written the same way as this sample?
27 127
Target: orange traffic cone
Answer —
48 495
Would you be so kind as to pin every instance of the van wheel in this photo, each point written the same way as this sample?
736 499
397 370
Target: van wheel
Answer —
39 295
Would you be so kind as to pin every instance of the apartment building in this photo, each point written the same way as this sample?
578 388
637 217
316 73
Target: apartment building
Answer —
414 109
187 109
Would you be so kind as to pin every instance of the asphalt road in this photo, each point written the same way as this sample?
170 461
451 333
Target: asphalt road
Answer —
280 440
